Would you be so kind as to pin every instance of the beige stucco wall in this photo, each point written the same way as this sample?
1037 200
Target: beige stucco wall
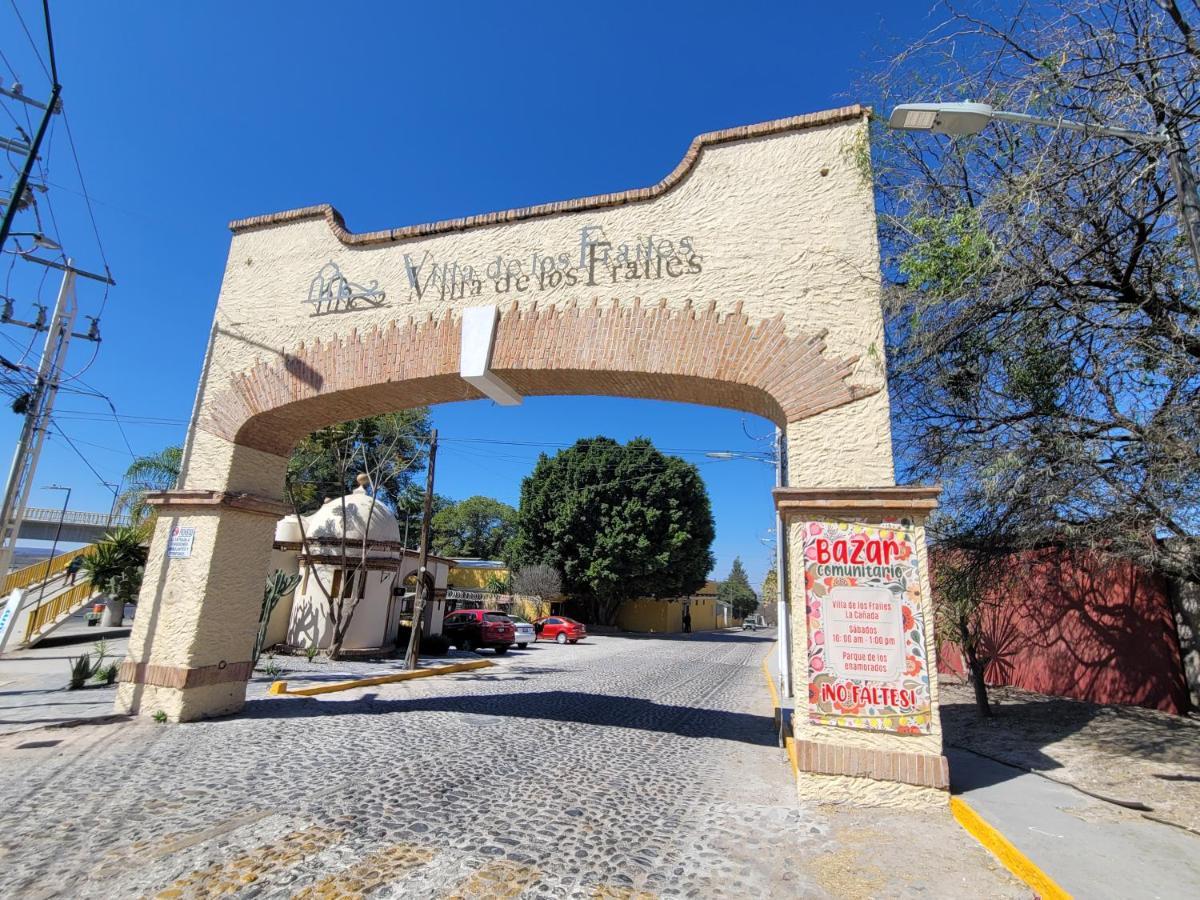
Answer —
783 222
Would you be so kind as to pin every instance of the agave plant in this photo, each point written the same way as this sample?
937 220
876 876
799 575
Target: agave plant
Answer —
82 668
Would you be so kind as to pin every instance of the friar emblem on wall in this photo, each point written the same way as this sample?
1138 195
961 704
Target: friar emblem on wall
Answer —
330 291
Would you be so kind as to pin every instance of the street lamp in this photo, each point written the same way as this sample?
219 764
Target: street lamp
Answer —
972 118
57 533
39 239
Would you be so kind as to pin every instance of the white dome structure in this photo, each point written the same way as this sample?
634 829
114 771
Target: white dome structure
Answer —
354 516
287 530
333 569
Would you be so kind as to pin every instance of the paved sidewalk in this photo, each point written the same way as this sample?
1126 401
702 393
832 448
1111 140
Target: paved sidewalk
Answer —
33 682
1090 848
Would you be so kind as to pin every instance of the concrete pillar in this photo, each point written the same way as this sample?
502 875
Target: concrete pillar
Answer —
189 653
864 655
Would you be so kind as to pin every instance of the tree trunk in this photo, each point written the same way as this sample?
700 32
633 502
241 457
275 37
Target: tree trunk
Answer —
114 613
974 671
606 610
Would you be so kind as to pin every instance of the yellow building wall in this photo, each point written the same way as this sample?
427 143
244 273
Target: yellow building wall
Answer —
472 579
650 616
704 614
666 616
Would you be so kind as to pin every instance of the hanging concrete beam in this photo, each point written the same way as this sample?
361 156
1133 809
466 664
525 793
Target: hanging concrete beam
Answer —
475 366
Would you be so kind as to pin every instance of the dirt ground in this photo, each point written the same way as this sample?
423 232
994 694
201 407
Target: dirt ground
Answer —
1125 753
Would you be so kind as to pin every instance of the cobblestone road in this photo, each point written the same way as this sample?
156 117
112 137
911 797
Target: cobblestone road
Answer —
621 767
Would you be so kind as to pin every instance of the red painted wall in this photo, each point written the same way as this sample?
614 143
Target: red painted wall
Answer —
1078 624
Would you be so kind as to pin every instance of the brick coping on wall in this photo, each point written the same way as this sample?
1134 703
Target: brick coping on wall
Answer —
600 201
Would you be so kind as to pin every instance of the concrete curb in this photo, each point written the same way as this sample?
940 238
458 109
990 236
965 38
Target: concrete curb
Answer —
1000 847
789 742
974 824
280 688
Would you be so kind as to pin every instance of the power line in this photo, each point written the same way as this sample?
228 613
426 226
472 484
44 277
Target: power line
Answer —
58 430
32 43
88 202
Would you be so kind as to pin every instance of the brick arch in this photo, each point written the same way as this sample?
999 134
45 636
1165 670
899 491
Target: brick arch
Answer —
653 352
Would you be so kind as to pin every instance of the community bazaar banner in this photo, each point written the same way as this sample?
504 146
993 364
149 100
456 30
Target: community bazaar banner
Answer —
867 666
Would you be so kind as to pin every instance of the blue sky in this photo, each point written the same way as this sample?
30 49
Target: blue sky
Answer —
186 116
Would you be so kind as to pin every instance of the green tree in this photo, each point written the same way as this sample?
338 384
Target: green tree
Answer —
618 522
736 591
1043 312
477 527
770 597
412 509
393 447
153 472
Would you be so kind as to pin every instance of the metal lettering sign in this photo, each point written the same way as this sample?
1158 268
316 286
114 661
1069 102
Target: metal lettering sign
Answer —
331 292
179 544
867 665
473 596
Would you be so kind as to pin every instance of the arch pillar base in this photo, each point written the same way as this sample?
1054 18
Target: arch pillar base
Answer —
189 653
867 724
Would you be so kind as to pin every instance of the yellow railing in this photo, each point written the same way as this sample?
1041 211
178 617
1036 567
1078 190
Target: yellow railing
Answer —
31 574
52 609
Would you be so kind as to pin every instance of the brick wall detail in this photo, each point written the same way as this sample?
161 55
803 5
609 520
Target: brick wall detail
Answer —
921 769
652 351
181 676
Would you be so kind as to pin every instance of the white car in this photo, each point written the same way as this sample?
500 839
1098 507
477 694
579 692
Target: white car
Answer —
525 633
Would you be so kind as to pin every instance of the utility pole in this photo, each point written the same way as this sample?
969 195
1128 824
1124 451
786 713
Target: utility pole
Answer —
37 418
41 401
51 108
424 585
784 623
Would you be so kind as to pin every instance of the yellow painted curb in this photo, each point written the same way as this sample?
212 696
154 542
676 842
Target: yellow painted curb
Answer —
1001 848
789 742
280 687
997 844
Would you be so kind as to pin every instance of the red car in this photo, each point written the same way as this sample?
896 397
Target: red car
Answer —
560 629
470 629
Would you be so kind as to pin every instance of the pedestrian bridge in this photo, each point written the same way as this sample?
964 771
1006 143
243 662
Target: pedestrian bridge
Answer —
78 527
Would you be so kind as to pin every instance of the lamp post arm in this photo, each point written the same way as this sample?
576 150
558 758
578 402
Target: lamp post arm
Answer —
1137 137
1186 190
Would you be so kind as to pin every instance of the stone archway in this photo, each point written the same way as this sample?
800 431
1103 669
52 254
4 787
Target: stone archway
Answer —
747 278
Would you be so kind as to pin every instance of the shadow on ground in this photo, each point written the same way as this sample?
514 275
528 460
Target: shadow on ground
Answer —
556 706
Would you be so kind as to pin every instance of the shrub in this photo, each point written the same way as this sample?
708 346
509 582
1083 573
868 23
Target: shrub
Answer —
435 645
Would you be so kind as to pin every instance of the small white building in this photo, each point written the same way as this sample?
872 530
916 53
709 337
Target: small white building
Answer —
350 549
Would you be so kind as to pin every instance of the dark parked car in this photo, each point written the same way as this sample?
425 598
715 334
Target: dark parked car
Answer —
471 629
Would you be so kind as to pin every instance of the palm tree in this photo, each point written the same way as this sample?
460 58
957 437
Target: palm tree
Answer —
155 472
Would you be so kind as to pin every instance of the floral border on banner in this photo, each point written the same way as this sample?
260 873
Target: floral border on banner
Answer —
875 566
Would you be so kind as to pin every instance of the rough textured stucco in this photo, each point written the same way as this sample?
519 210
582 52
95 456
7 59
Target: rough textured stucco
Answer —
779 222
866 792
776 236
